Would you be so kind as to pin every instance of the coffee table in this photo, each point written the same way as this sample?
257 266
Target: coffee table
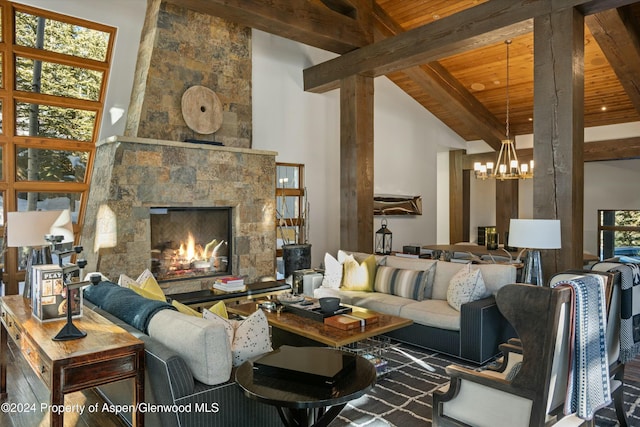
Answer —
301 403
319 332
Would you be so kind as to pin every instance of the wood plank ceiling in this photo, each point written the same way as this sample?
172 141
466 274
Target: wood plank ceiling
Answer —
483 73
467 90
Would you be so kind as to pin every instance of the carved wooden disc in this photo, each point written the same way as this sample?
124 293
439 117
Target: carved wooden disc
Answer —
202 110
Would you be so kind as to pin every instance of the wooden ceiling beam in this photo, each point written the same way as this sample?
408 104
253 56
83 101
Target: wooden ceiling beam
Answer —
335 25
436 81
617 34
479 26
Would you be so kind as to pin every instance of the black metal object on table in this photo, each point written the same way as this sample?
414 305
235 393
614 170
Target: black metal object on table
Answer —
303 403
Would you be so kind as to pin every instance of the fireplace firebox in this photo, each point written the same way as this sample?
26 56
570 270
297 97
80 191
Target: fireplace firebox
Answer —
190 242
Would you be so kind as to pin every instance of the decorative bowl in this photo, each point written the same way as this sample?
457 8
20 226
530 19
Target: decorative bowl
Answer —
329 304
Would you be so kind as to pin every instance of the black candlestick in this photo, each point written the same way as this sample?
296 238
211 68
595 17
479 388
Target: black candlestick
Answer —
69 330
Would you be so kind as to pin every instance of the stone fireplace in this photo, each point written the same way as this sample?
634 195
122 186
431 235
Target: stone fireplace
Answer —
134 177
190 242
148 169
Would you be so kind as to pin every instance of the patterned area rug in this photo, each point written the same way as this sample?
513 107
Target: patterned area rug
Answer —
402 397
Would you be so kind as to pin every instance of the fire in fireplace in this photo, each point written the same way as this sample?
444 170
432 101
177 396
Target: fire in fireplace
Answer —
190 242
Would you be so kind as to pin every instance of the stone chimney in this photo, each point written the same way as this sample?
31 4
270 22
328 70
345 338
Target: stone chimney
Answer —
180 48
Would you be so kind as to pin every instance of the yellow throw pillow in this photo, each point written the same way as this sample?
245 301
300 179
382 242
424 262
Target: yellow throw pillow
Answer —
220 309
359 277
147 294
151 285
185 309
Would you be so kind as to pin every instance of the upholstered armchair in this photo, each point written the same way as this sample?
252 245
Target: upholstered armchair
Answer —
529 389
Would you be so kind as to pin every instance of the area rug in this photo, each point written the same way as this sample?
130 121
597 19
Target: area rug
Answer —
403 396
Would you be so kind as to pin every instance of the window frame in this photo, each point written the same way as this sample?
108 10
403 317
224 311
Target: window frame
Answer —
299 192
10 186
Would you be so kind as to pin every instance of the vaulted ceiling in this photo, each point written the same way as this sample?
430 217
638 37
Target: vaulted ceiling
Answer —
466 87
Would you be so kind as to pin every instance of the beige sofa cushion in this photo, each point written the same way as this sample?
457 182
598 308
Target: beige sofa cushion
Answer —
203 345
495 277
383 303
431 312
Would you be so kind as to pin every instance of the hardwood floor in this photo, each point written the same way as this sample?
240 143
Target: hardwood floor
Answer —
27 392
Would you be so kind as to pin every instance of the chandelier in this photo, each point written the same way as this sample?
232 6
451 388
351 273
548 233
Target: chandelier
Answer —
507 165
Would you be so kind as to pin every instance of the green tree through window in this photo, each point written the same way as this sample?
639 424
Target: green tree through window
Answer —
52 95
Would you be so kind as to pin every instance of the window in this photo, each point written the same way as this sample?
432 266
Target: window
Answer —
53 74
291 205
619 235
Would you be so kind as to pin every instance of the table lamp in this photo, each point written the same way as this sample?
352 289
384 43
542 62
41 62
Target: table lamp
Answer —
28 229
534 234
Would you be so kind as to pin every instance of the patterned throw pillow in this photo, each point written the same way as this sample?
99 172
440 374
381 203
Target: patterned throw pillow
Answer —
465 286
332 272
145 285
403 283
248 338
359 277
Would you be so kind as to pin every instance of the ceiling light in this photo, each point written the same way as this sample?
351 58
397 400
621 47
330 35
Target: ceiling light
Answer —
507 165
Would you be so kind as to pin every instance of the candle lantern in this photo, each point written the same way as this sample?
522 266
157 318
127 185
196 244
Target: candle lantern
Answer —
384 237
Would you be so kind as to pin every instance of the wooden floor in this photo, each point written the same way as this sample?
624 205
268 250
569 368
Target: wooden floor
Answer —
27 393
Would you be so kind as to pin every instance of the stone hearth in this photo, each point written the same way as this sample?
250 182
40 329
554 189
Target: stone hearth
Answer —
131 175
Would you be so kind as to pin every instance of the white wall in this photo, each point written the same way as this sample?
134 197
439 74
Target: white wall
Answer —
608 185
127 16
304 128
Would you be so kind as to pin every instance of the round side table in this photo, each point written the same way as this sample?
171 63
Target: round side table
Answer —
302 403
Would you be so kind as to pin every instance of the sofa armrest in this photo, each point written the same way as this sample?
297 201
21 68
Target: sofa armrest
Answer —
482 329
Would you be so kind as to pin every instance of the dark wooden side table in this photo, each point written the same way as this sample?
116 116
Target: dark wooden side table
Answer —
301 403
108 353
206 297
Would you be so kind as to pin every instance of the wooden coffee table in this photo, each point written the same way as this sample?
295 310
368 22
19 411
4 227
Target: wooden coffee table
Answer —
318 331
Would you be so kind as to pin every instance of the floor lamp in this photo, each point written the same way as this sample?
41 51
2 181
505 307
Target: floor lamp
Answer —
28 229
533 235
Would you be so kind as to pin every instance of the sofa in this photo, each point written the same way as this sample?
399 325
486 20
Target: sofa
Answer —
471 330
189 377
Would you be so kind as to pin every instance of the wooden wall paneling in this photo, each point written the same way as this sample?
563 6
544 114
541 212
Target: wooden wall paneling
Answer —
356 163
558 186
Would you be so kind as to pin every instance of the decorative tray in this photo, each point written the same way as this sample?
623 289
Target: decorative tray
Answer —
312 311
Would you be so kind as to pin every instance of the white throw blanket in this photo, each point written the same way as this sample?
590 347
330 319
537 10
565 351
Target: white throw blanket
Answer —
588 387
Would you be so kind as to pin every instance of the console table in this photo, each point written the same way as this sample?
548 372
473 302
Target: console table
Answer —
206 297
108 353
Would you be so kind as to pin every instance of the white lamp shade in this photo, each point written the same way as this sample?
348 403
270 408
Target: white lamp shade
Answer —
29 228
535 233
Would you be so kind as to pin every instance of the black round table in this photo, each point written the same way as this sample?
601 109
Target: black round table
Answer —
303 403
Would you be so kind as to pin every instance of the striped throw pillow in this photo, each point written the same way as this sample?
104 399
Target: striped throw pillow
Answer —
402 283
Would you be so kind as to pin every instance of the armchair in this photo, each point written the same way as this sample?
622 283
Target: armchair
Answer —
530 389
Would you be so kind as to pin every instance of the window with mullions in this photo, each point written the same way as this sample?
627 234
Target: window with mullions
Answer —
619 235
290 205
53 77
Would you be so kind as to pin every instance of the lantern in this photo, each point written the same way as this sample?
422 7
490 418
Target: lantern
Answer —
383 239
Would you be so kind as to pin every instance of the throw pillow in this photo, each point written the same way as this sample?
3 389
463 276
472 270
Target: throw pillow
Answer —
359 277
465 286
248 338
332 272
402 283
145 281
220 309
182 308
147 293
